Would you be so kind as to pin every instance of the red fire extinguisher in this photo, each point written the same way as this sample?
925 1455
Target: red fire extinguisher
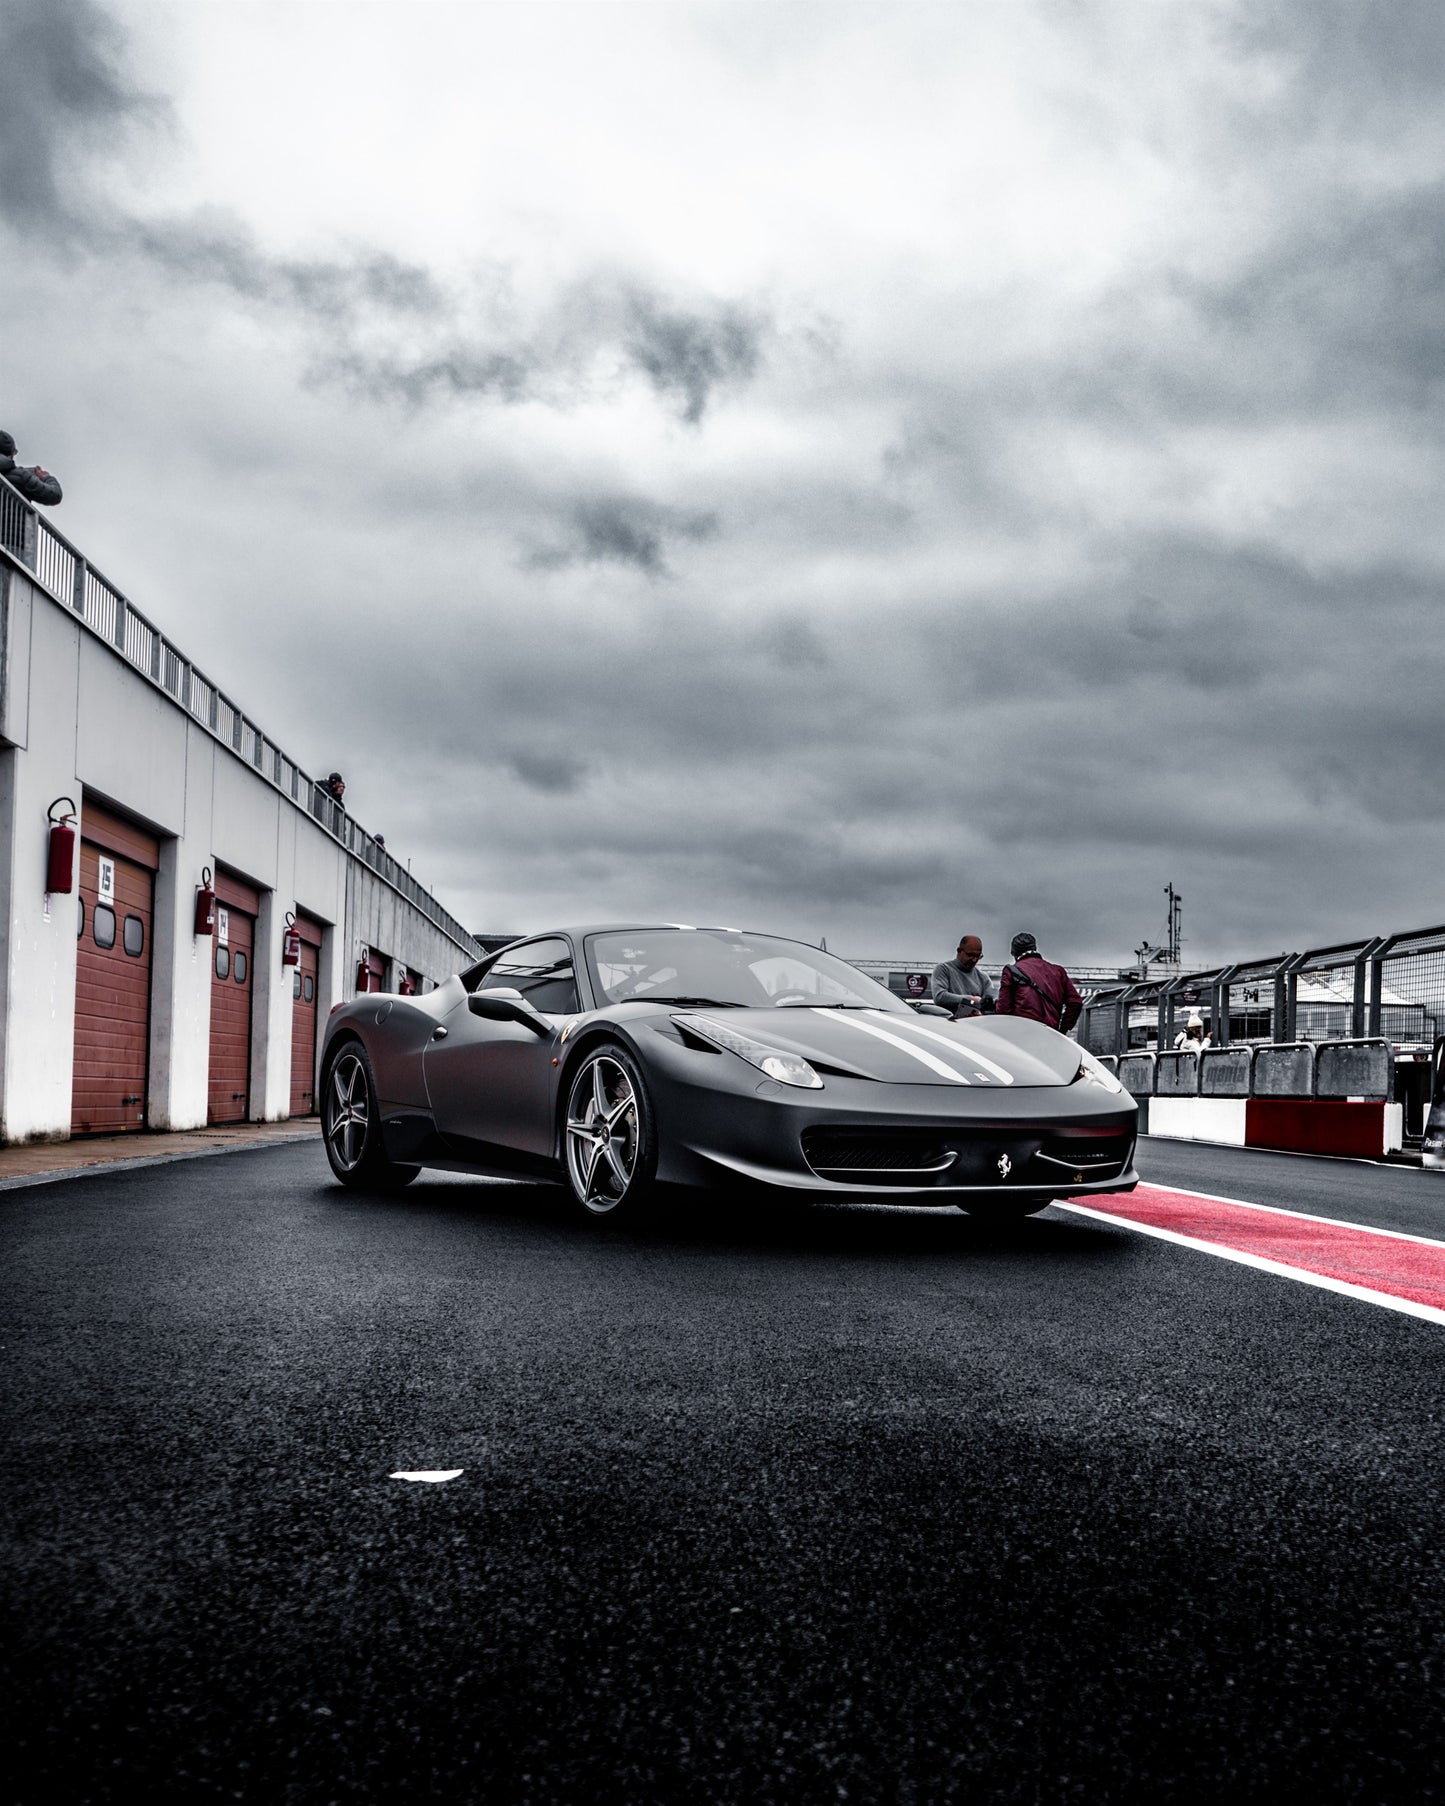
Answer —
363 971
60 862
290 943
205 904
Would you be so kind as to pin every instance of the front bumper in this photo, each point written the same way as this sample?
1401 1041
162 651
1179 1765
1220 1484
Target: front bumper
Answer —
721 1122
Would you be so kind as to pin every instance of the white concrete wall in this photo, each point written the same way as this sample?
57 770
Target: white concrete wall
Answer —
1199 1119
78 719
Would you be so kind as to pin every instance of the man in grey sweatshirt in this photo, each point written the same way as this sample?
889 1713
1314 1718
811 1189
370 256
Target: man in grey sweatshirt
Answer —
958 985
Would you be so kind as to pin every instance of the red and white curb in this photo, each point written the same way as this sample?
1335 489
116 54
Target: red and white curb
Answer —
1381 1266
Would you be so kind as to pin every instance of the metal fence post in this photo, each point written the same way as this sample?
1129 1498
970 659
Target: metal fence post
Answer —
1358 1004
1377 986
1279 1013
1219 1007
77 588
30 538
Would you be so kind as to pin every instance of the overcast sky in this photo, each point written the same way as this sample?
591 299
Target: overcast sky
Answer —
870 471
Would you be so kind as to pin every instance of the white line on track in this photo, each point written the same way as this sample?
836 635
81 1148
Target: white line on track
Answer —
1407 1307
434 1476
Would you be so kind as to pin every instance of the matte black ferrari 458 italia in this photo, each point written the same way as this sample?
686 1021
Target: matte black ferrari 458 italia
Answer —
617 1060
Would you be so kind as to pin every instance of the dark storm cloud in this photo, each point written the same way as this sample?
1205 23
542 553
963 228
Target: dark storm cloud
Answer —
1032 595
1201 709
64 95
61 88
623 530
687 354
555 774
223 252
456 374
1350 54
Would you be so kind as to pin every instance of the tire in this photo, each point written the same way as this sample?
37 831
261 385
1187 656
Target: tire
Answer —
609 1134
351 1124
1000 1207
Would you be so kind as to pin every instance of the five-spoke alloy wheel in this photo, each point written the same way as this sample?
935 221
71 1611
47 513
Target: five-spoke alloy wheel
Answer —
611 1146
351 1125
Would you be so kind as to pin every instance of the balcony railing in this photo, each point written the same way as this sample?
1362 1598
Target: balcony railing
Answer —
75 583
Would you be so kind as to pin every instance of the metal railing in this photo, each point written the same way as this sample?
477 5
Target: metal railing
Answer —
1385 986
71 580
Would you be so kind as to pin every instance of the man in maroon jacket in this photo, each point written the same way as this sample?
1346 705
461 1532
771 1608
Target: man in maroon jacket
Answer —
1032 986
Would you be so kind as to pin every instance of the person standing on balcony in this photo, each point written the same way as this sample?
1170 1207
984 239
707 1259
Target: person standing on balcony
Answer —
1033 986
34 483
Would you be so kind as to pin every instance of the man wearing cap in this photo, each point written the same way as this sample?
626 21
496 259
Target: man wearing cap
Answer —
1033 986
958 986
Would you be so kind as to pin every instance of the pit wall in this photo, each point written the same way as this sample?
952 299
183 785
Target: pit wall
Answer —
1293 1125
78 720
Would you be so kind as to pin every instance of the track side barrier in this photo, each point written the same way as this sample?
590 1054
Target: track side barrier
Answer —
1226 1071
1301 1097
1136 1074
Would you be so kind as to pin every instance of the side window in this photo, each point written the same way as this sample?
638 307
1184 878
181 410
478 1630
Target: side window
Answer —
310 988
102 925
238 967
223 962
134 936
542 972
80 931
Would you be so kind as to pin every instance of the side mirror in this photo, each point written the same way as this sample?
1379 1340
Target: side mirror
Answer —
930 1009
504 1005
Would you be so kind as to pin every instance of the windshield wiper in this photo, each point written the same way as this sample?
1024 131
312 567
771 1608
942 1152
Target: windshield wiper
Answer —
714 1003
825 1006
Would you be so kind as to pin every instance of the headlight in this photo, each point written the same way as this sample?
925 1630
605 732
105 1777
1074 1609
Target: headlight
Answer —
1092 1073
786 1068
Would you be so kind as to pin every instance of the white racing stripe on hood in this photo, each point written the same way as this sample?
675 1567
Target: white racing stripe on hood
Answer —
920 1054
1003 1076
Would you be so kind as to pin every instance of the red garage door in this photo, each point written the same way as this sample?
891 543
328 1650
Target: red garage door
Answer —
229 1092
118 862
303 1019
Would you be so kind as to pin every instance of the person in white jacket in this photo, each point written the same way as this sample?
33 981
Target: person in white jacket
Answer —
1191 1038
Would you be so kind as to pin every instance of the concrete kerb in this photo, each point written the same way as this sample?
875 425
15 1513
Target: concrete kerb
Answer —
81 1168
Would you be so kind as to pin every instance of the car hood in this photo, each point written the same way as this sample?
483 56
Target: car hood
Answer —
992 1053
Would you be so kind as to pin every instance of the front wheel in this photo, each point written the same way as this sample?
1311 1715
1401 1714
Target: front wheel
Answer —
351 1125
610 1135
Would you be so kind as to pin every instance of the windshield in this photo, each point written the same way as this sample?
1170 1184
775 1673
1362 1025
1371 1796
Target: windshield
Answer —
722 966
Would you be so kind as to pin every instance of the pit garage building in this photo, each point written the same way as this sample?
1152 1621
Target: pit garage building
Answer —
218 904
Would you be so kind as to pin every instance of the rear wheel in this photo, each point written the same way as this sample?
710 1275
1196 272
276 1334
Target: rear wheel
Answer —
610 1135
1002 1207
351 1125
